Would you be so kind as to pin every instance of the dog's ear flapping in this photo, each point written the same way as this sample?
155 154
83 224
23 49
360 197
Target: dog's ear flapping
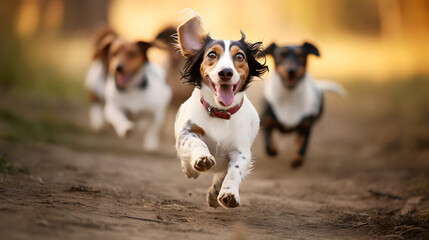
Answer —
270 49
310 48
144 46
102 48
191 36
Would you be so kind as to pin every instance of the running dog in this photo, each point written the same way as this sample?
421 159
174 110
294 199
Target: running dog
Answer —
217 125
293 100
135 87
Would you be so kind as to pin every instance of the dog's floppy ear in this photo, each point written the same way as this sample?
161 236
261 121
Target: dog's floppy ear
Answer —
310 48
270 49
144 46
102 47
191 35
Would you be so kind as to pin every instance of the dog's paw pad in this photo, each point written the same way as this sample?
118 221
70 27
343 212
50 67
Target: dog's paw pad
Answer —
204 163
228 200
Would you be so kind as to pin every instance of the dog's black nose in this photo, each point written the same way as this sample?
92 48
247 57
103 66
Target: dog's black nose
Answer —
120 68
291 72
225 74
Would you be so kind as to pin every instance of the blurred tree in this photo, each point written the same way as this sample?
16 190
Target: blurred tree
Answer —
85 15
10 57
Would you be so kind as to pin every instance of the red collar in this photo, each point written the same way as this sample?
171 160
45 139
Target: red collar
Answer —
220 113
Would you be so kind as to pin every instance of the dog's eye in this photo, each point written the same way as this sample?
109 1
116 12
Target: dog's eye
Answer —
239 57
212 55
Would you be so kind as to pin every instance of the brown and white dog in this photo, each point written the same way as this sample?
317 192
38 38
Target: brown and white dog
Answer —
293 100
215 128
135 88
96 77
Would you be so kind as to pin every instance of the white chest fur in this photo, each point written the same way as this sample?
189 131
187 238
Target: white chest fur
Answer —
221 136
291 105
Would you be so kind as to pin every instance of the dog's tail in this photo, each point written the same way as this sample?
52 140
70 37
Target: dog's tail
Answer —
329 86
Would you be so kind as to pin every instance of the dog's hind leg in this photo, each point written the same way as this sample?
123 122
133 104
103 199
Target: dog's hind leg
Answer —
238 167
151 139
193 151
96 112
96 116
301 147
213 192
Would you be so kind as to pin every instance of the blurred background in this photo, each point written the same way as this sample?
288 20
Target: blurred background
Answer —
51 40
378 49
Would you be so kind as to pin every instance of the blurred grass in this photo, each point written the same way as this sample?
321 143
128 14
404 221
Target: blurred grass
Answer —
34 94
6 166
14 127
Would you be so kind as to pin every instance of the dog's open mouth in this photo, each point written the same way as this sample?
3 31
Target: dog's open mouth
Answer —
224 92
122 80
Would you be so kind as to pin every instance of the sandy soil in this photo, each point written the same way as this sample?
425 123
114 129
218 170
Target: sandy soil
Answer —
367 158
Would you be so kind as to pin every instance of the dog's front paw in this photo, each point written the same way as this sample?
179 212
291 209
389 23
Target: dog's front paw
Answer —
204 163
150 145
125 131
296 161
228 200
272 151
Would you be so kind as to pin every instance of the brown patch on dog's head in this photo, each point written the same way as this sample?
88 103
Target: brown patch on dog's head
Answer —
240 64
210 59
291 61
125 59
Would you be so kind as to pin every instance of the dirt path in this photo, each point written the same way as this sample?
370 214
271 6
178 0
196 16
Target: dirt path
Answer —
366 160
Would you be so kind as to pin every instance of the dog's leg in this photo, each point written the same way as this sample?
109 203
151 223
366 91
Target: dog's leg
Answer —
192 151
151 140
117 118
237 169
96 116
269 123
213 192
269 145
301 147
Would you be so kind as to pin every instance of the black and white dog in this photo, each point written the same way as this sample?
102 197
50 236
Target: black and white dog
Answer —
293 101
217 125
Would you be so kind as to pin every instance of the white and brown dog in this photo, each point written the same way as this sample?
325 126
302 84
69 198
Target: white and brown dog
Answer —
216 126
293 100
135 88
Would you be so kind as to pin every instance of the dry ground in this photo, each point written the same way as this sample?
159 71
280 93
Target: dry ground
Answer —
368 157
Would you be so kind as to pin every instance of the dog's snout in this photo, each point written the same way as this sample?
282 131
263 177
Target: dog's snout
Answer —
291 71
225 74
120 68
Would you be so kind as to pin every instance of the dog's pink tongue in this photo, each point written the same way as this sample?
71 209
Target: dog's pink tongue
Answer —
225 94
123 80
